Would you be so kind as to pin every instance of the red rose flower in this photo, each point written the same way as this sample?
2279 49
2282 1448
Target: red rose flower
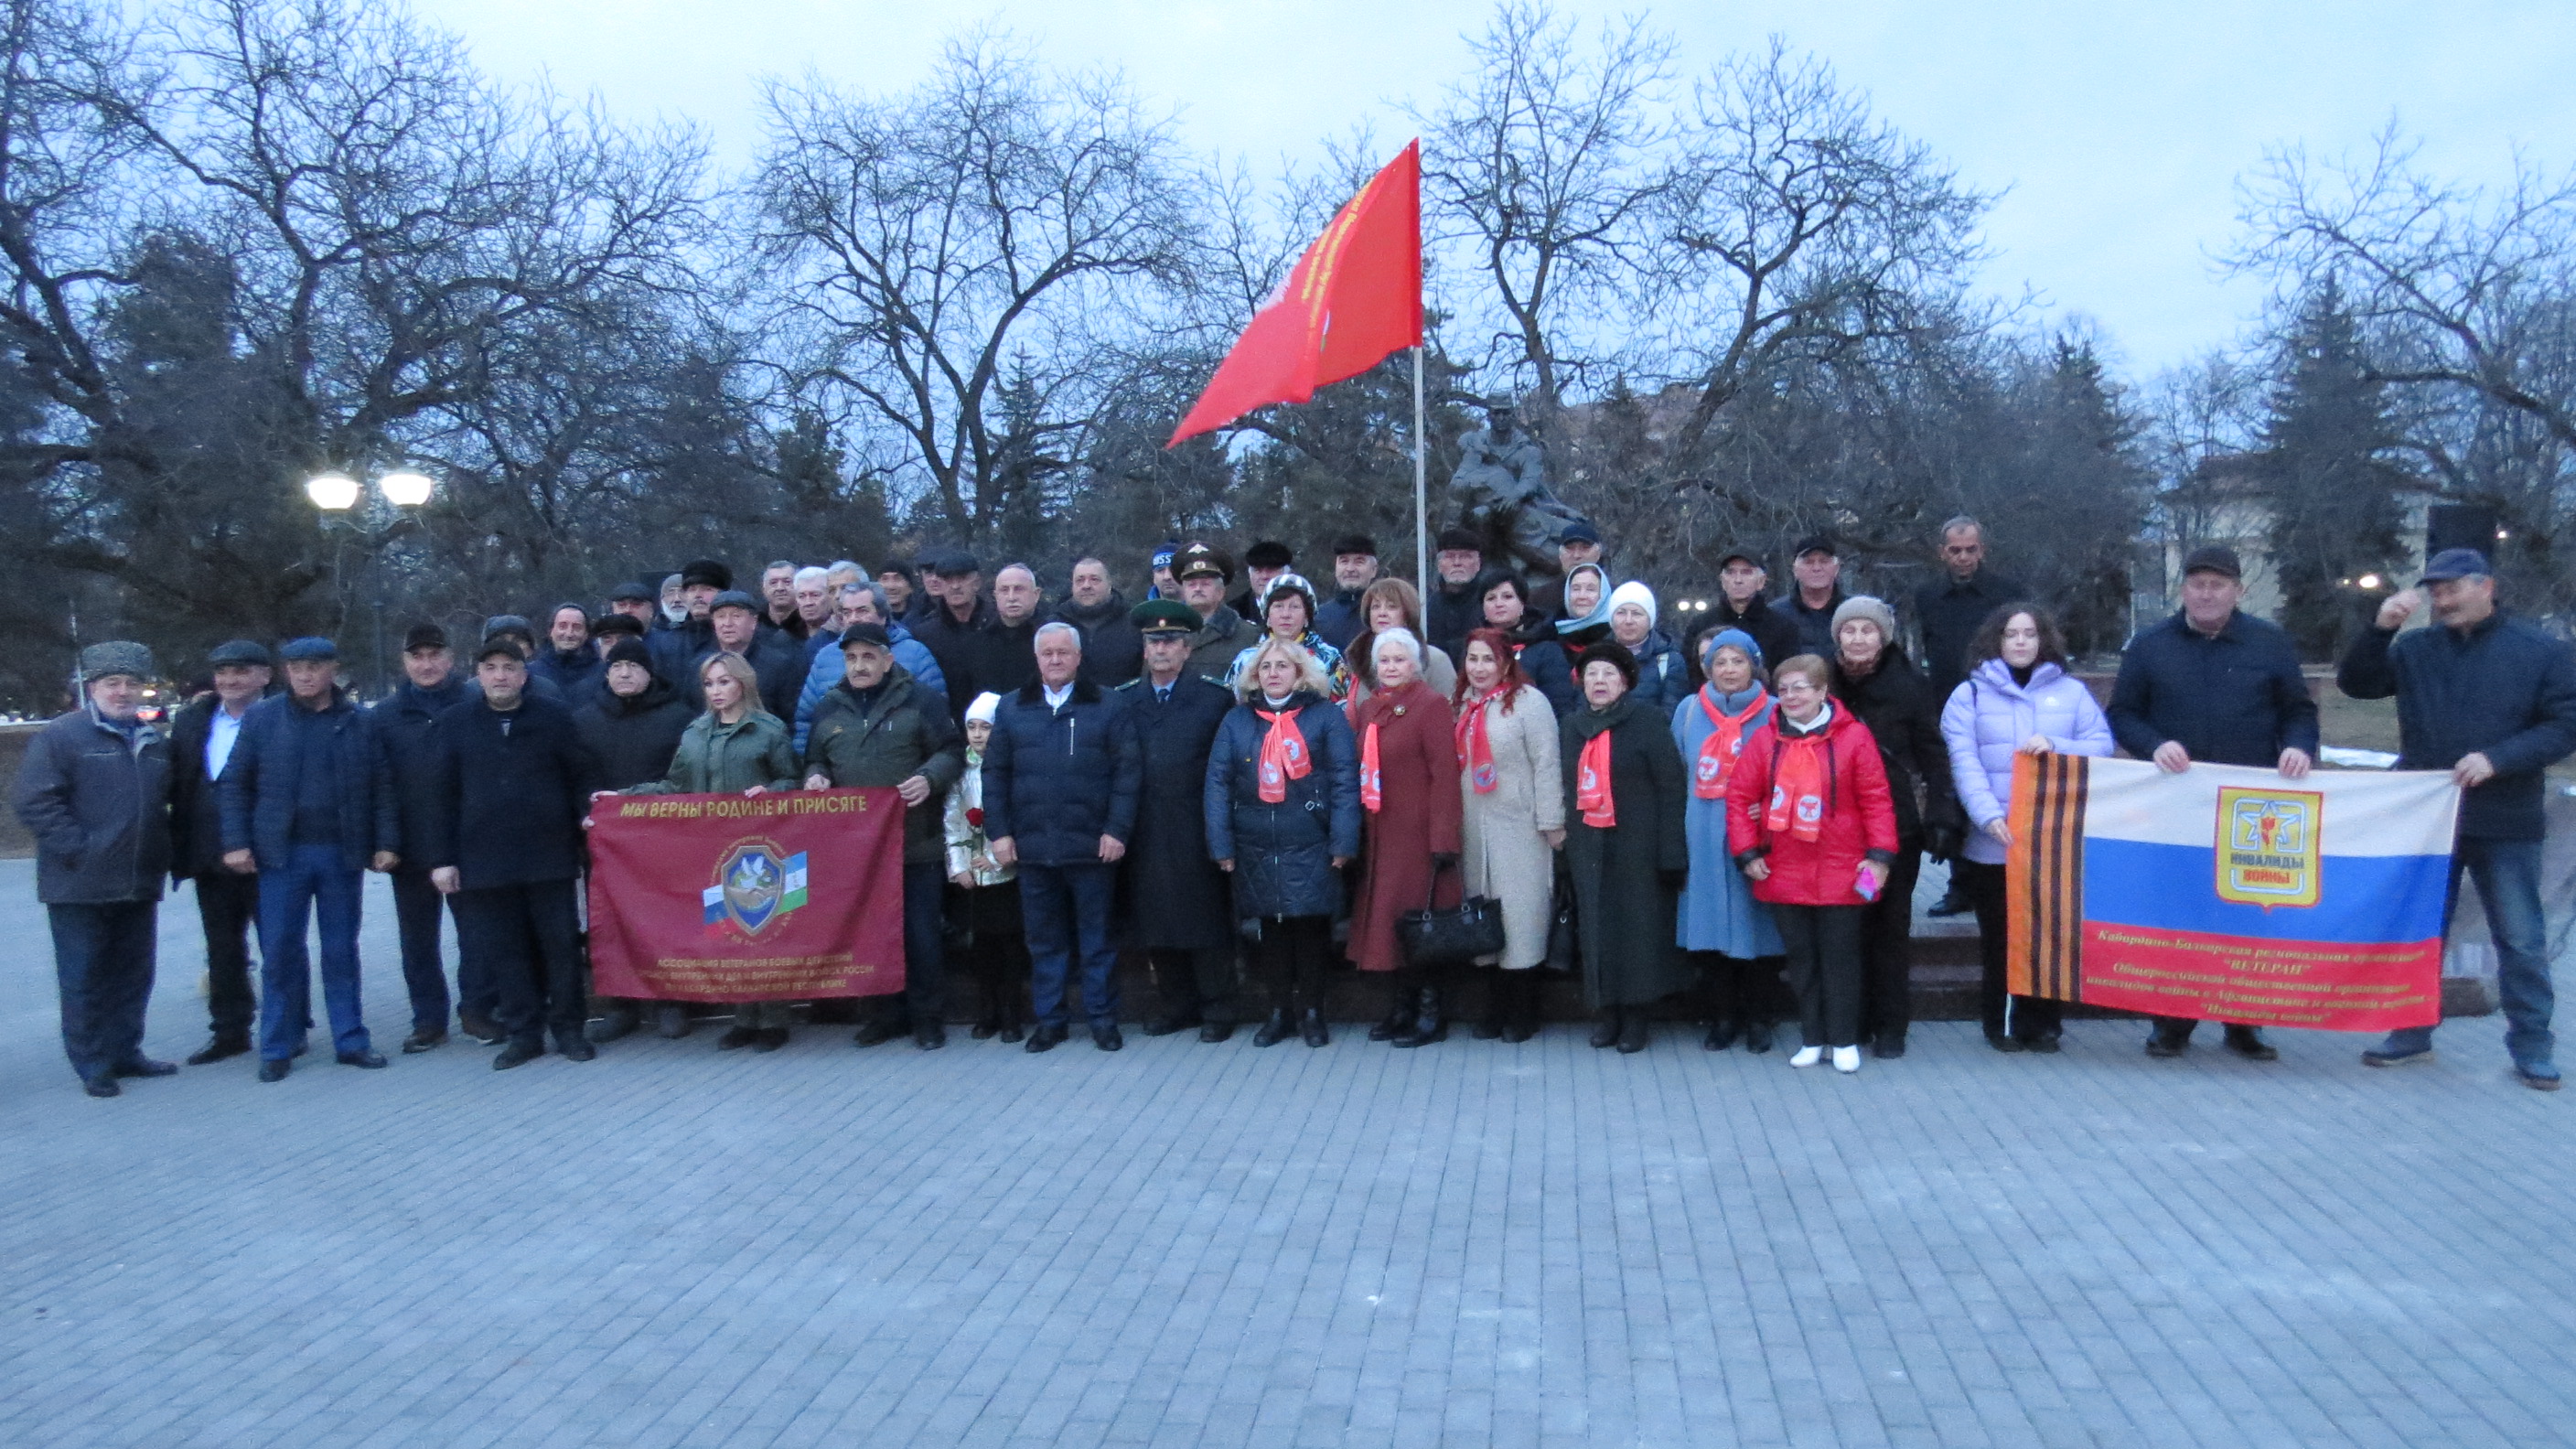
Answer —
974 817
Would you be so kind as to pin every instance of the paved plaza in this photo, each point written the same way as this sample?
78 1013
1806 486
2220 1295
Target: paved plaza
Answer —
1468 1245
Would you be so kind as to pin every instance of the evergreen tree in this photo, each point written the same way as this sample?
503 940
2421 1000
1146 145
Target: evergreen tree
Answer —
2329 477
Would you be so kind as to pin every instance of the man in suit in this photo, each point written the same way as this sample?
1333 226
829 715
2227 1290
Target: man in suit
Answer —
202 736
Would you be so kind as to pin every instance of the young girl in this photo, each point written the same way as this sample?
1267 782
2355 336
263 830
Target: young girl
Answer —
984 905
1811 824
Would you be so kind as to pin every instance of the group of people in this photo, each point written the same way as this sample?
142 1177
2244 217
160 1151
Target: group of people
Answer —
1241 770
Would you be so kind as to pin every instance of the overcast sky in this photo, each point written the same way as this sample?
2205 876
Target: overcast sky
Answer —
2119 131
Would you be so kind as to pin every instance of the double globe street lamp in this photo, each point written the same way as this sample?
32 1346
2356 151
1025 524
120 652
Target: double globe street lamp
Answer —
375 516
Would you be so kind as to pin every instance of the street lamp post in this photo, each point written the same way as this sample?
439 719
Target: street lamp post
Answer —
374 516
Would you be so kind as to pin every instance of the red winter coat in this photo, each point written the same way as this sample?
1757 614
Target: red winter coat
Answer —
1424 815
1859 823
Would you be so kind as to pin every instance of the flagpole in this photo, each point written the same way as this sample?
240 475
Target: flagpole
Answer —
1421 496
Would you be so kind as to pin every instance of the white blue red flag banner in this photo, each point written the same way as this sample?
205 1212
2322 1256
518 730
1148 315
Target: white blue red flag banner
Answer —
2229 894
786 897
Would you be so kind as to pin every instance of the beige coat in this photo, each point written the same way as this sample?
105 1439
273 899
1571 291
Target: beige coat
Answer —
1505 857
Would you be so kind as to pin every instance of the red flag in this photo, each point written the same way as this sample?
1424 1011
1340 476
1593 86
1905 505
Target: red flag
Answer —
1355 297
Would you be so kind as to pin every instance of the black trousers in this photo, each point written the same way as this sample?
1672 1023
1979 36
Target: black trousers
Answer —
416 907
526 938
999 963
1887 949
1825 969
1291 960
1194 981
2027 1017
103 965
227 906
1739 990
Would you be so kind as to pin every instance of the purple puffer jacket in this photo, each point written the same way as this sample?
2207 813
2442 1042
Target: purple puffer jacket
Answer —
1989 716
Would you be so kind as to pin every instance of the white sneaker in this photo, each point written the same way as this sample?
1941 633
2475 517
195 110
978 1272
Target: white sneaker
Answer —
1847 1059
1807 1056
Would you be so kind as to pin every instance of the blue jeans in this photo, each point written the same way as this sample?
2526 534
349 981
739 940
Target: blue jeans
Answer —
310 881
103 957
1065 908
2508 876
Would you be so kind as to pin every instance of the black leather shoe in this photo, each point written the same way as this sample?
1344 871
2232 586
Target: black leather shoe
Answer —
2247 1042
1951 904
1396 1020
2005 1042
103 1087
736 1038
146 1067
1011 1031
877 1033
1311 1029
671 1021
1757 1037
1721 1035
1216 1031
1633 1028
1274 1030
1046 1039
275 1069
423 1040
518 1054
1107 1038
769 1039
2044 1045
2166 1041
1166 1025
931 1038
369 1059
482 1028
1605 1032
987 1029
576 1050
218 1050
1428 1025
620 1021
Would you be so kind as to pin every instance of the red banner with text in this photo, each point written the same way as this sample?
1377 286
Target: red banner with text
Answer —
785 897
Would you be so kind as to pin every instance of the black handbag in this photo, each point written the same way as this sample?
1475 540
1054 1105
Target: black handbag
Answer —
1564 944
1430 937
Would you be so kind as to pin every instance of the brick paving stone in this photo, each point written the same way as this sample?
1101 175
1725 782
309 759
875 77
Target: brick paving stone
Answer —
1183 1245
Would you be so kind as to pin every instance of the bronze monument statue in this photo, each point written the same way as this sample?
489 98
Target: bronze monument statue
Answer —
1500 489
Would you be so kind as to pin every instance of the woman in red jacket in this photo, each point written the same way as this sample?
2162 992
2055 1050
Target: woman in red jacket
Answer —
1811 824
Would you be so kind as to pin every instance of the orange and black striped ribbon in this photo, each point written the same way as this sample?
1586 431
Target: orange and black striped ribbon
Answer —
2044 876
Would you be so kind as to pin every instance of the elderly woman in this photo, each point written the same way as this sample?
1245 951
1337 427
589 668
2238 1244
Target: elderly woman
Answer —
1288 608
1513 824
1409 789
1392 604
736 747
1886 692
1810 824
1505 600
1663 680
1283 817
2017 699
1728 934
1624 846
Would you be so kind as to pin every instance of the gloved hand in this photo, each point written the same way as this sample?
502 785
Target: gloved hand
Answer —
1443 859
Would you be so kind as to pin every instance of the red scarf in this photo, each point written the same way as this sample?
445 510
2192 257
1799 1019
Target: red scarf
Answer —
1725 743
1283 755
1798 784
1372 781
1476 746
1592 784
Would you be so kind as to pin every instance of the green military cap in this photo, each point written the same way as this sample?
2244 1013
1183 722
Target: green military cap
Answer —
1164 616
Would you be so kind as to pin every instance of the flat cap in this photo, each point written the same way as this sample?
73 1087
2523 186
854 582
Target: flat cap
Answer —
2455 563
956 564
1580 531
735 599
508 624
311 646
238 651
864 632
632 592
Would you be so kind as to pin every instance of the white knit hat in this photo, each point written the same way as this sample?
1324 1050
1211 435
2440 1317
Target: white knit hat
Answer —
984 708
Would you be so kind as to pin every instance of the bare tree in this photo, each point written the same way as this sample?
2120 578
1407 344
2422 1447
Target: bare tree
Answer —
1542 163
922 249
1795 225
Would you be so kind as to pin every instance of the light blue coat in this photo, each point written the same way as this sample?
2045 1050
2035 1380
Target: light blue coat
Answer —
1718 911
1989 716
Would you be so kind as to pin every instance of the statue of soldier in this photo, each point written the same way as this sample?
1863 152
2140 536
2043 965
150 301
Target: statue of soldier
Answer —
1500 486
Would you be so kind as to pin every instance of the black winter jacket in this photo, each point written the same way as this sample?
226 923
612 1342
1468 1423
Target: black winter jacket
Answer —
196 806
1904 716
98 802
2503 689
1283 853
631 738
2236 698
1055 781
513 787
1772 632
1113 652
406 729
1949 613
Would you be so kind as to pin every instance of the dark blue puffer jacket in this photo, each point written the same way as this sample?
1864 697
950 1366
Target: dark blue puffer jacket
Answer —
1055 781
1283 853
258 790
2502 688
